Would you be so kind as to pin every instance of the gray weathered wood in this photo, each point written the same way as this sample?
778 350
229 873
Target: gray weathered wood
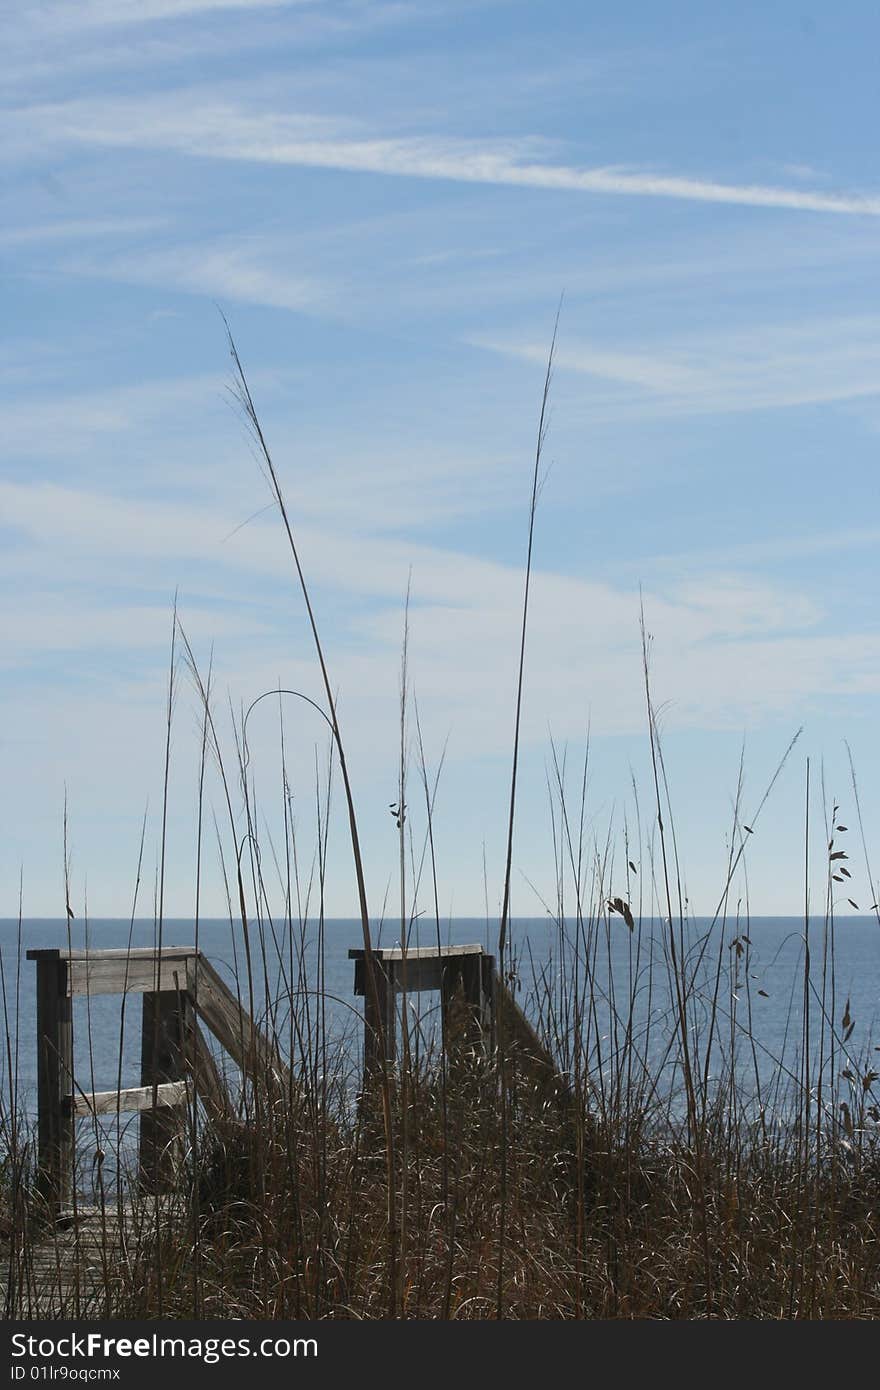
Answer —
130 1099
467 999
55 1124
464 975
416 952
231 1025
177 984
121 971
380 1016
112 953
163 1049
127 976
421 968
210 1088
526 1050
78 1270
411 973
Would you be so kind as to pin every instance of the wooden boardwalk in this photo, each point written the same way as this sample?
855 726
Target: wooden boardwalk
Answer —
78 1264
77 1268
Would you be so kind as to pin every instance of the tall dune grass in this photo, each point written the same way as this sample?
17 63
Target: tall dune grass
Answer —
644 1158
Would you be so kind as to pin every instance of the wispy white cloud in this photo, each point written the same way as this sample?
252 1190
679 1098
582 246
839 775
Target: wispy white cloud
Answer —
84 663
803 171
767 366
58 42
179 122
170 433
237 269
40 426
746 554
100 13
709 633
34 629
78 229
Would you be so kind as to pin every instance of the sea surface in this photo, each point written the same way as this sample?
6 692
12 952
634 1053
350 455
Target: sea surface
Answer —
302 976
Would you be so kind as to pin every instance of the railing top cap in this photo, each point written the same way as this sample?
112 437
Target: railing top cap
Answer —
117 953
417 952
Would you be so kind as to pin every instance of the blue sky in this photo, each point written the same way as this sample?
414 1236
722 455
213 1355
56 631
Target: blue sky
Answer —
387 200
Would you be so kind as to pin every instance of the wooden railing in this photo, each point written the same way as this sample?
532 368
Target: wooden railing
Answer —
464 975
180 989
474 1001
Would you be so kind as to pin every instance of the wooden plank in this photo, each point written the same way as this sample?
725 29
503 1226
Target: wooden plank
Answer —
422 968
394 953
219 1010
115 953
130 1099
527 1051
415 975
124 975
420 974
55 1124
231 1025
210 1087
78 1270
119 970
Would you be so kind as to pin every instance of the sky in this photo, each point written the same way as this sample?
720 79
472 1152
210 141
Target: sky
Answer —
387 202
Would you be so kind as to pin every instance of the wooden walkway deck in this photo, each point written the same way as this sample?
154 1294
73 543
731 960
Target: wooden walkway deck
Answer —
78 1265
76 1268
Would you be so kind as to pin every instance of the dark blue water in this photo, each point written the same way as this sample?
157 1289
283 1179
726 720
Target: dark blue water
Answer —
748 978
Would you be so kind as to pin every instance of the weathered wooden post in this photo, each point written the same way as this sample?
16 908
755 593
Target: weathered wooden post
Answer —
55 1123
467 998
380 1016
166 1039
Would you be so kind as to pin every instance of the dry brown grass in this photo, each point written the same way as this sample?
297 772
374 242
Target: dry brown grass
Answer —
290 1229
